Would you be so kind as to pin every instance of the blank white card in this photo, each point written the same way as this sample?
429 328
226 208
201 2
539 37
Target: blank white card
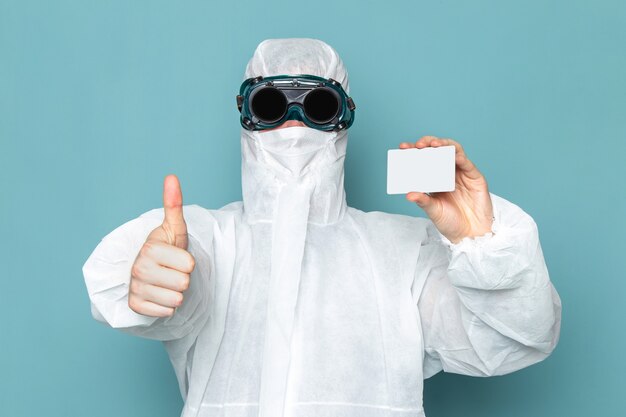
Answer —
425 170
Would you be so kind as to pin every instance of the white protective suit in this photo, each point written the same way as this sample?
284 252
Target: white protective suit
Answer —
304 307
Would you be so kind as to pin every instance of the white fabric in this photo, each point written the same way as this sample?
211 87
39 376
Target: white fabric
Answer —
303 307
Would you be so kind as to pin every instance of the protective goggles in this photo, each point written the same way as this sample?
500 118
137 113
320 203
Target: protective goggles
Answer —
267 102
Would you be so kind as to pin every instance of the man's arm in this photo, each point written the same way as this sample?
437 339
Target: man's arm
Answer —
107 274
487 305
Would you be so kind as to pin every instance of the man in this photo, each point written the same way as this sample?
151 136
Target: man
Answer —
290 303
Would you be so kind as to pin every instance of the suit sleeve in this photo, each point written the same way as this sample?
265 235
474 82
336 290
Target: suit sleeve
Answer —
107 277
487 306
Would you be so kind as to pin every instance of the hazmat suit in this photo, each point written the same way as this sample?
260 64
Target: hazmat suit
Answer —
302 306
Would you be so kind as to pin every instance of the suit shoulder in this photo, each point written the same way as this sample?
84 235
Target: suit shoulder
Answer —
201 220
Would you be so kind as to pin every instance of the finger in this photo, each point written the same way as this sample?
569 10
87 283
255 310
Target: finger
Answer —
407 145
161 296
168 278
461 159
425 201
148 308
173 201
424 141
169 256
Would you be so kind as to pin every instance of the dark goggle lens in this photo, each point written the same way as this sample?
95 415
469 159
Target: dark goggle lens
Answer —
268 104
321 105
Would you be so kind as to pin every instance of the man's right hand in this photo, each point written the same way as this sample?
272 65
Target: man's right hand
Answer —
162 269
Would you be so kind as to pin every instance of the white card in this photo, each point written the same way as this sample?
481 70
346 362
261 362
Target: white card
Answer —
425 170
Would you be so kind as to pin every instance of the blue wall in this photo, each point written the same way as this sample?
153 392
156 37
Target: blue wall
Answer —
100 99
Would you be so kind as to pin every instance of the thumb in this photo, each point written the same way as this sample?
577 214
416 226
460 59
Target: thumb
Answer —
425 201
173 207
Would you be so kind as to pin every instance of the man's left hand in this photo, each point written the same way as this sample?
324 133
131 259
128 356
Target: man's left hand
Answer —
465 212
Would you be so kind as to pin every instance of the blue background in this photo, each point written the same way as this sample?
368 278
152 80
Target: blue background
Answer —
99 100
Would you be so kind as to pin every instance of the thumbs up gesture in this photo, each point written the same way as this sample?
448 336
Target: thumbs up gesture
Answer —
161 271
